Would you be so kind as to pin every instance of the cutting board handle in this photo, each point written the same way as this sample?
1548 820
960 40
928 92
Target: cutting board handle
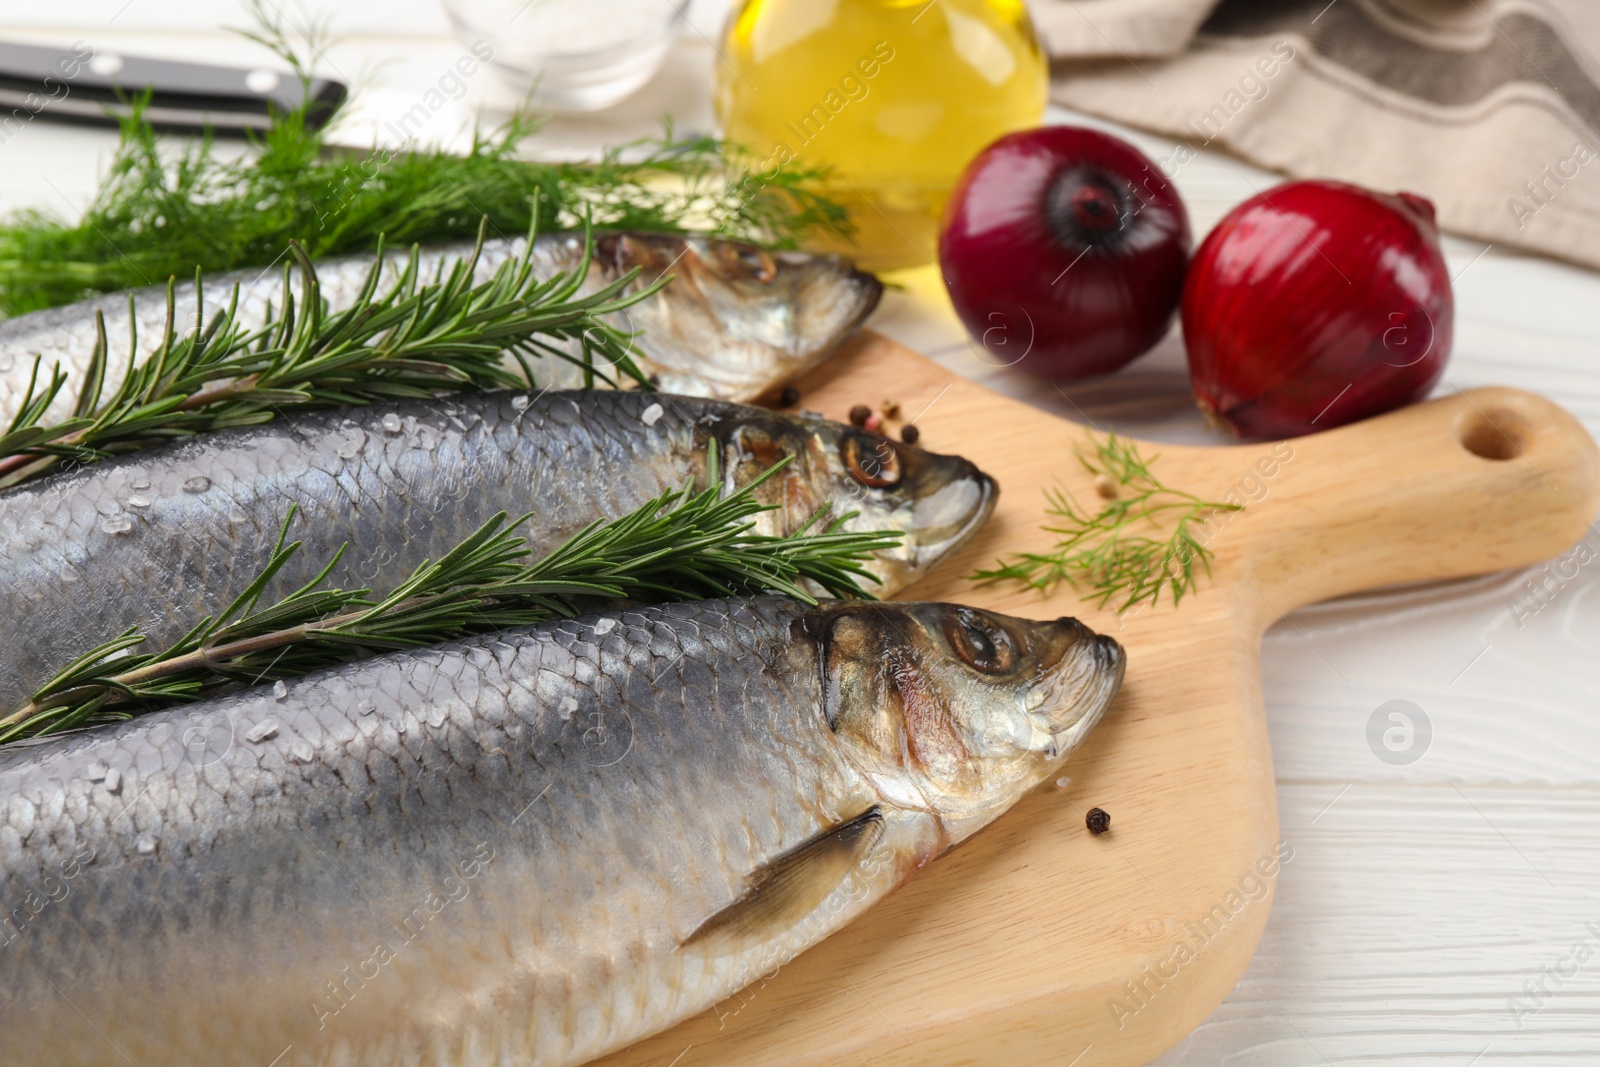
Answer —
1480 481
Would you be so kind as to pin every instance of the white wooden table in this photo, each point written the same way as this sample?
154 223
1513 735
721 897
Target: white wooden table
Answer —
1443 912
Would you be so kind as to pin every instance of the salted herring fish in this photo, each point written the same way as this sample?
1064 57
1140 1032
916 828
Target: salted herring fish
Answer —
524 848
164 538
736 321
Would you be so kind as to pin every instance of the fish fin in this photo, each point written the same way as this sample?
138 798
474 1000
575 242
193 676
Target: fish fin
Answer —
782 892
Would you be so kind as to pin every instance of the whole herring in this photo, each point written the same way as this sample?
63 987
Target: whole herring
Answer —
532 847
735 322
164 538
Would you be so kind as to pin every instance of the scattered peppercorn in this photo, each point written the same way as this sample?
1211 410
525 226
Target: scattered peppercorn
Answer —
789 397
909 433
1097 821
874 422
860 414
1105 486
890 409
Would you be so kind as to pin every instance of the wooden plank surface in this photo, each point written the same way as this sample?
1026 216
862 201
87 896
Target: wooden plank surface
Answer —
1037 942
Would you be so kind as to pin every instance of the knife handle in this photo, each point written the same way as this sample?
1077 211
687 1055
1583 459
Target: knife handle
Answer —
83 84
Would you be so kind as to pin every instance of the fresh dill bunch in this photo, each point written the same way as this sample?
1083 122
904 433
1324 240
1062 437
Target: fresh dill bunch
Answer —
418 338
1100 552
167 208
683 545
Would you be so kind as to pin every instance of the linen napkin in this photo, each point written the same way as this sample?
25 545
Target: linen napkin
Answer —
1490 108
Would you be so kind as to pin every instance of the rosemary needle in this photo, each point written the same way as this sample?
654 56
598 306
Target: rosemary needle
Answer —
1103 553
682 545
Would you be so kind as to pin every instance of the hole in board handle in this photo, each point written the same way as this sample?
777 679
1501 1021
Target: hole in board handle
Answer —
1496 434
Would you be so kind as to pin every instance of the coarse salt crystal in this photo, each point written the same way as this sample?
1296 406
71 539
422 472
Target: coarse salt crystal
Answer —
261 731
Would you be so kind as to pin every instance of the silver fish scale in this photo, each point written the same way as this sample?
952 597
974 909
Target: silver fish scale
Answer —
272 880
81 564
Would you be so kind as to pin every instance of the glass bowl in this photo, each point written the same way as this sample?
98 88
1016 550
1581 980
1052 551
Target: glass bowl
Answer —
571 55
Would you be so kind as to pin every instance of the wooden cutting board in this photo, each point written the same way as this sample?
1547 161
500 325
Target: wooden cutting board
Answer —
1037 943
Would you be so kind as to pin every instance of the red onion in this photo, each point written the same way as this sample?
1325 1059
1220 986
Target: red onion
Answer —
1067 246
1315 304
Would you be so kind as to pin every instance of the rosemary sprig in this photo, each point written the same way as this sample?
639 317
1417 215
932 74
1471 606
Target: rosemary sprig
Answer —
681 545
418 338
168 207
1098 553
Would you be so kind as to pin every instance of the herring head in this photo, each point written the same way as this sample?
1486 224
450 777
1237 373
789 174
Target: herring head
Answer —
738 320
865 481
957 711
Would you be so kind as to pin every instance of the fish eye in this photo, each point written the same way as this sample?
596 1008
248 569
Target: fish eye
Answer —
982 643
872 462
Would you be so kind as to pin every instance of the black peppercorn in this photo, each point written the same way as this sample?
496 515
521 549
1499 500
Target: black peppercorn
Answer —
1097 821
909 433
860 414
789 397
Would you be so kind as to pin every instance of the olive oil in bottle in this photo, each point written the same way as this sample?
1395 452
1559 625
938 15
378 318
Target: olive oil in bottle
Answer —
894 96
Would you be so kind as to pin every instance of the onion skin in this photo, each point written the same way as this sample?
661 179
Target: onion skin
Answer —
1064 251
1317 304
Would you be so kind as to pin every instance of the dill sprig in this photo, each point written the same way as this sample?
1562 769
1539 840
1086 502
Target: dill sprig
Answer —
168 207
1100 552
416 339
682 545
